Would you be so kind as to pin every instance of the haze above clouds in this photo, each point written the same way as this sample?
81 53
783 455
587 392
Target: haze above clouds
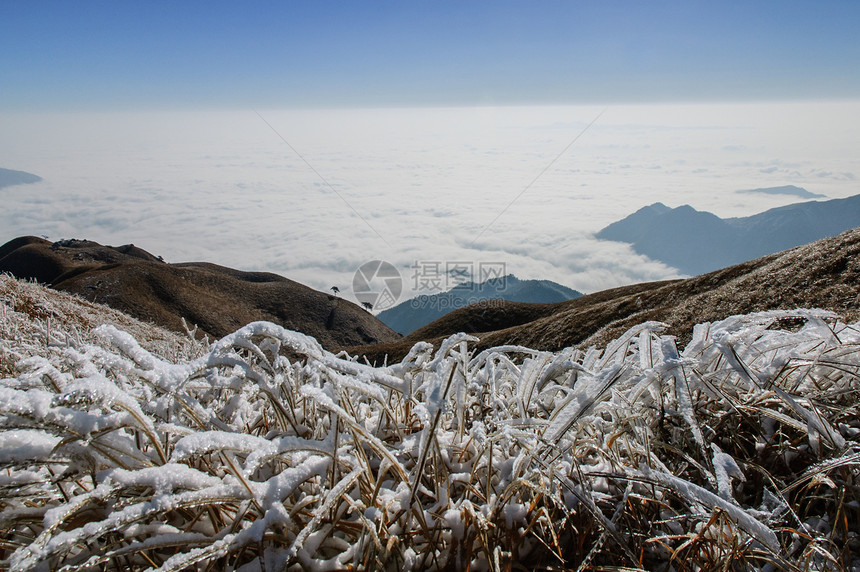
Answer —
165 127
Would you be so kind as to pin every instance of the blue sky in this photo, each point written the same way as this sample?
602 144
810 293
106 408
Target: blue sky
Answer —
144 55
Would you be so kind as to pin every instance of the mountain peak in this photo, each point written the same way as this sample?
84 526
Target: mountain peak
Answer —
695 242
417 312
654 208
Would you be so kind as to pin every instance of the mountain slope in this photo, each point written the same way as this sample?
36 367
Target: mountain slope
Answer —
824 274
412 314
217 299
696 242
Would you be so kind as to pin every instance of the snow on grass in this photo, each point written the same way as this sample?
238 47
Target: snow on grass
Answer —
34 319
741 451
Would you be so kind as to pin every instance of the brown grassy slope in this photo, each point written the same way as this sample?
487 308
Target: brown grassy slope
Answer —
217 299
824 274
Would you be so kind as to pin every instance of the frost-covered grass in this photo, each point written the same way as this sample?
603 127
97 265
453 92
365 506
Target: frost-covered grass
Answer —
34 320
269 453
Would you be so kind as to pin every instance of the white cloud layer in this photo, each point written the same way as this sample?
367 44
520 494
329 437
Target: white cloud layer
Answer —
408 185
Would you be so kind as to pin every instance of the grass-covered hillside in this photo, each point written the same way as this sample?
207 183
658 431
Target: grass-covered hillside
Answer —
216 299
125 448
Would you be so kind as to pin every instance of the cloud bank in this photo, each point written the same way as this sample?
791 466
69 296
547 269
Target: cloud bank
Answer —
407 185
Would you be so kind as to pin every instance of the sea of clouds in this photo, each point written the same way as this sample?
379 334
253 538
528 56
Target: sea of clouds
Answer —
313 194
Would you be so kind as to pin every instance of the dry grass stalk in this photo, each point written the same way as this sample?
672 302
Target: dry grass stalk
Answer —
740 452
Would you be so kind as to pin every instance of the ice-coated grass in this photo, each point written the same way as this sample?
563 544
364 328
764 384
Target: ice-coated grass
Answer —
741 451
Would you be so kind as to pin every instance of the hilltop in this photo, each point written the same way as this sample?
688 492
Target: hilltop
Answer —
417 312
215 299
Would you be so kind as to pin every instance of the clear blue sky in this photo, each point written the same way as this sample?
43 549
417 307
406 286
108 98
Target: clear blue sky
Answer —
137 55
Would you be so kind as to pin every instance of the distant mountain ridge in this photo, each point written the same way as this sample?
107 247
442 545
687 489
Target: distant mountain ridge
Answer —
8 177
696 242
214 298
784 190
417 312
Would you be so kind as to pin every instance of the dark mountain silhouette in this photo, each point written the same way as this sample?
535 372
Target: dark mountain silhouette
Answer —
412 314
8 177
217 299
824 274
784 190
695 242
